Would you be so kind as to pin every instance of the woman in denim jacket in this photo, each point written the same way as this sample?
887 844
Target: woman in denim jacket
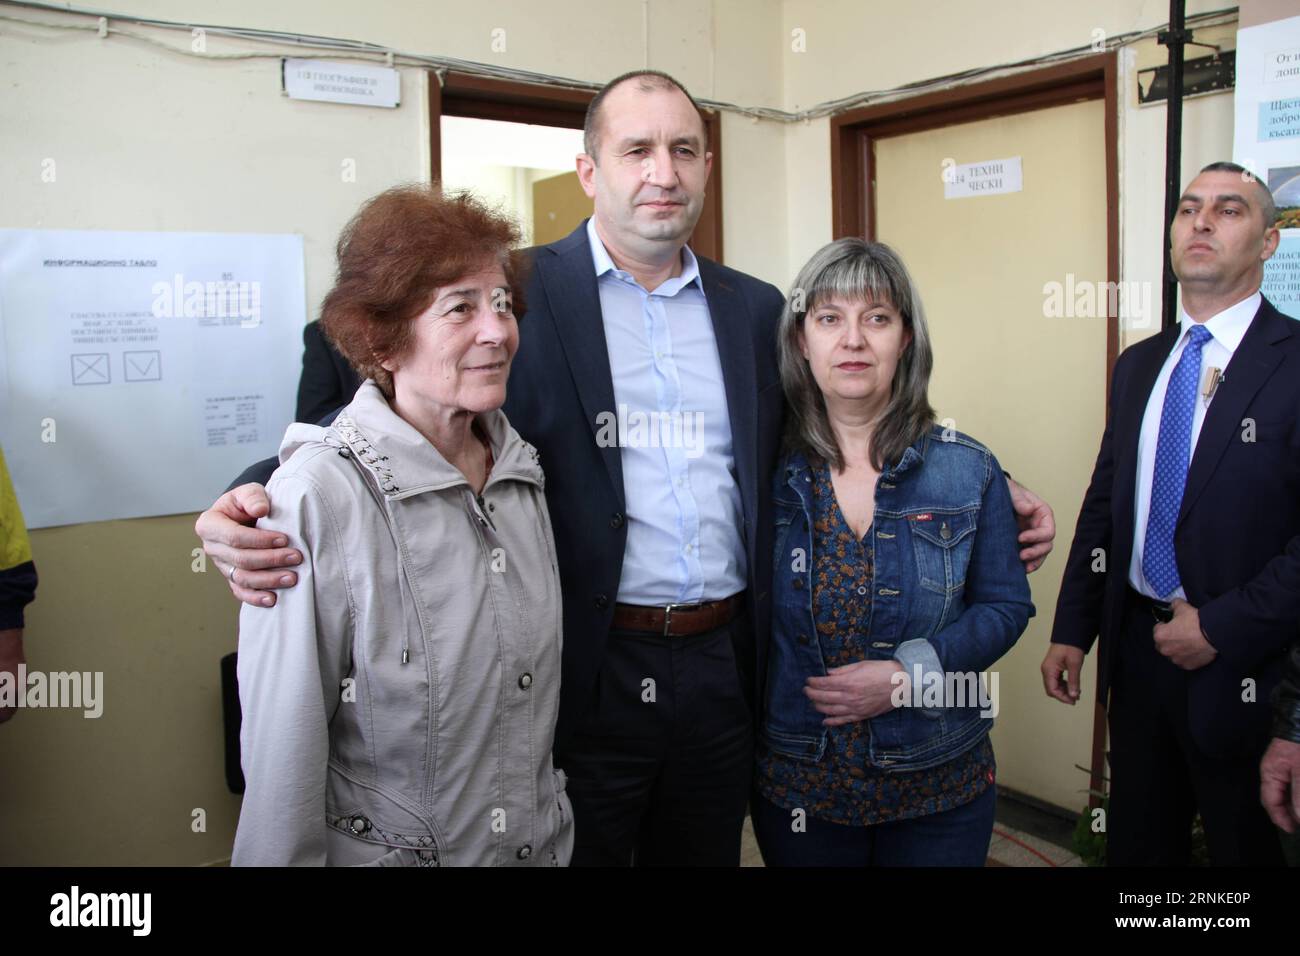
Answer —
896 583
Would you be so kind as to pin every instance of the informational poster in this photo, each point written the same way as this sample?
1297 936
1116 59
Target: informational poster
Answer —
1267 133
141 371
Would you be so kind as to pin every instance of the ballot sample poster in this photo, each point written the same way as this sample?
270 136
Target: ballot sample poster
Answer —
1266 137
142 371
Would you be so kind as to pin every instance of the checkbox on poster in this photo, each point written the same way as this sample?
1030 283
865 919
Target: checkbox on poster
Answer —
143 366
90 368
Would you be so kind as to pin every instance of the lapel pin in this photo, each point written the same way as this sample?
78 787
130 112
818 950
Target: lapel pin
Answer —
1213 379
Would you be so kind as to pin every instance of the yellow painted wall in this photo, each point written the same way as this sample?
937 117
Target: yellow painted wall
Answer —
559 204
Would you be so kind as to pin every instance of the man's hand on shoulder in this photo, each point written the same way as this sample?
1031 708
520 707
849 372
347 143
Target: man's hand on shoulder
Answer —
255 562
1037 525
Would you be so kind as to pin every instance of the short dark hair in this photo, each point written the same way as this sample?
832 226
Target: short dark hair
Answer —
403 245
647 81
1269 207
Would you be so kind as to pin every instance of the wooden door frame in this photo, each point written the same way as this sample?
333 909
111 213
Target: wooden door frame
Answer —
478 97
853 179
853 136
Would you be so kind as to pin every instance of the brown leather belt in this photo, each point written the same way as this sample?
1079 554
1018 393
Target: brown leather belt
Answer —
678 620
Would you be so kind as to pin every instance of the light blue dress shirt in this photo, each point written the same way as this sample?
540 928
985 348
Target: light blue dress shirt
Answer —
685 542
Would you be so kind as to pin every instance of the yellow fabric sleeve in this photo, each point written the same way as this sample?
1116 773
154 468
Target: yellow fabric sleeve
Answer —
15 547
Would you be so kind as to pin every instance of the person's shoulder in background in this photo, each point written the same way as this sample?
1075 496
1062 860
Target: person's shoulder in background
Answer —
17 570
328 380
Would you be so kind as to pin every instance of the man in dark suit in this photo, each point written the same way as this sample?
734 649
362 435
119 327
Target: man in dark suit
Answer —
1186 560
328 381
646 377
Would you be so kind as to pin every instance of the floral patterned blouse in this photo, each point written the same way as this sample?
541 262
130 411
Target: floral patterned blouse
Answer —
842 787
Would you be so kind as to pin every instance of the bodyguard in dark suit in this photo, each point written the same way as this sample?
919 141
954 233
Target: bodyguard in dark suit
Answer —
1186 559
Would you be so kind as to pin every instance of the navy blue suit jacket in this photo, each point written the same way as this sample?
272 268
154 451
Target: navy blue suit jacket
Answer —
1237 539
560 381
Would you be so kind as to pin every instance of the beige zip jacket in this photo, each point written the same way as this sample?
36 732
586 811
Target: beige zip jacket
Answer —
399 702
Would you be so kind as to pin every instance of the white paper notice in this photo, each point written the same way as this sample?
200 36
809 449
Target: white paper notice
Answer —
144 370
1267 141
360 84
988 178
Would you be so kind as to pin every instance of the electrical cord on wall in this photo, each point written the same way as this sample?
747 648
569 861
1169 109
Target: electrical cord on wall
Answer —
371 52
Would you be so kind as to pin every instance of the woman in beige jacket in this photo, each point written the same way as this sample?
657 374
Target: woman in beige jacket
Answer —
399 704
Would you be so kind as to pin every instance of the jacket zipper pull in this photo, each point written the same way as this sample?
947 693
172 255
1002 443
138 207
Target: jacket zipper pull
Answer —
406 654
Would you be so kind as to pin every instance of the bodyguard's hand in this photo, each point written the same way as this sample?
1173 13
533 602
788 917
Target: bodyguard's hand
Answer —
1037 526
1062 659
254 561
1279 783
854 692
1182 640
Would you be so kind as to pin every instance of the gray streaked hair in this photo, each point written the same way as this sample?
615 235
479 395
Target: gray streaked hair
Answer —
855 269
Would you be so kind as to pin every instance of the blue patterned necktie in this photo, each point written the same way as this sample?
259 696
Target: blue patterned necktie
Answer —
1173 451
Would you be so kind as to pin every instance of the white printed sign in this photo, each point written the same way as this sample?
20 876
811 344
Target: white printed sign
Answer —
359 84
143 370
987 178
1281 66
1266 140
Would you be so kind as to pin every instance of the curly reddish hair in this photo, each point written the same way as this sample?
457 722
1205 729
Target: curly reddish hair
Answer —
396 252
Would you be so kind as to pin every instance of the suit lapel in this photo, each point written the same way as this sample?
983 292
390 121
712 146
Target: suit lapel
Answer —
1252 363
1128 421
568 275
732 326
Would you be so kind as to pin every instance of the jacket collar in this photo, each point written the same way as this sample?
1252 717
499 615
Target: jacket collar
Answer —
604 263
1253 363
403 461
797 467
567 275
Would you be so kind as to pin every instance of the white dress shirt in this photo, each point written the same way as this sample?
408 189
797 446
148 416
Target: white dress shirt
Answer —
685 542
1227 329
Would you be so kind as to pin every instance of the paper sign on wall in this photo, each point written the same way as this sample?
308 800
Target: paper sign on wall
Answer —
359 84
987 178
1266 136
143 370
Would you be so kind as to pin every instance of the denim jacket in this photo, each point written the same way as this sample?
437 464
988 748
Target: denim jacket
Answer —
950 598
